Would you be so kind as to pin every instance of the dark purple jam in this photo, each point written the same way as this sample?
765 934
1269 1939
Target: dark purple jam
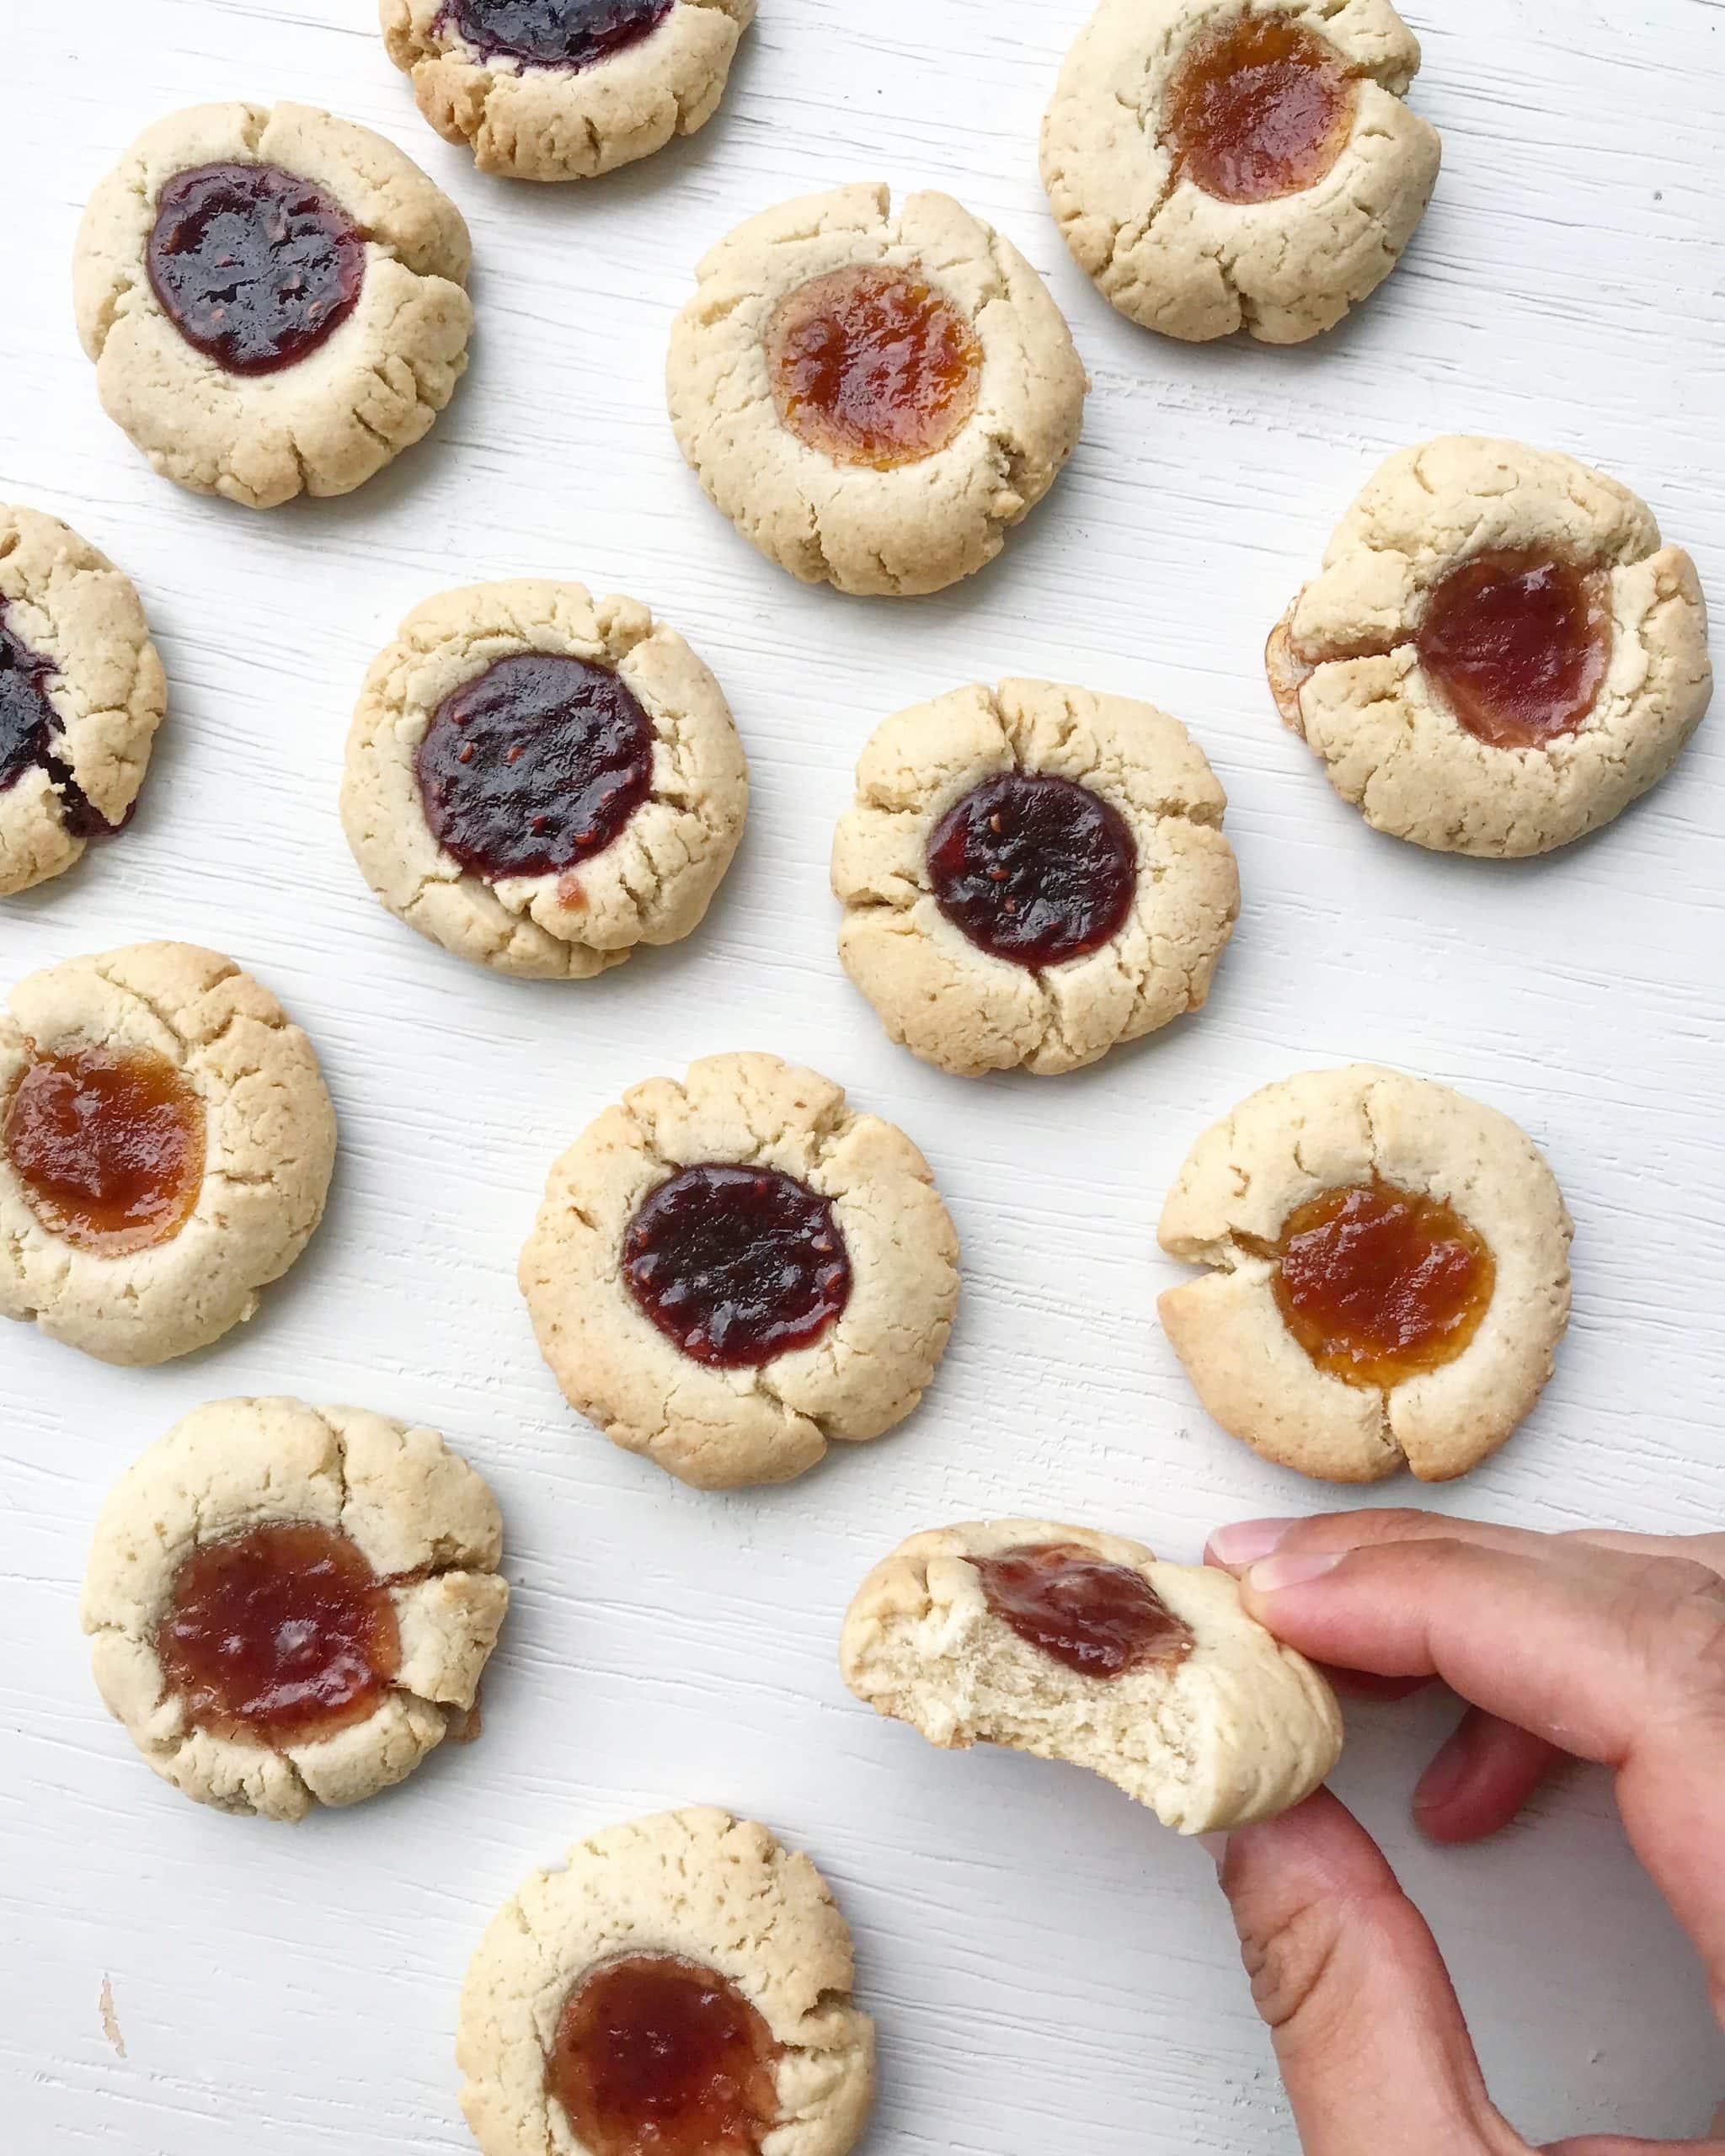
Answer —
737 1265
253 266
553 33
29 727
1033 869
534 765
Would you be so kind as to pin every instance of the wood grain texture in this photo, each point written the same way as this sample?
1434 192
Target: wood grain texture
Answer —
1052 1973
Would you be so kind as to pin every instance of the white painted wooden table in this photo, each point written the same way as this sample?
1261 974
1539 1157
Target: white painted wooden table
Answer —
1051 1972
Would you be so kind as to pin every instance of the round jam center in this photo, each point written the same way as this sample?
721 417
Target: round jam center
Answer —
1033 869
1378 1283
1519 645
553 33
1101 1619
534 765
252 265
109 1146
655 2055
282 1634
1258 108
873 366
737 1265
28 727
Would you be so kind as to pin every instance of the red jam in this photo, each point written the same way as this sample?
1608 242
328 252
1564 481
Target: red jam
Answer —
109 1146
1378 1285
1518 645
570 34
534 765
252 265
1033 869
737 1265
279 1635
1259 107
873 366
29 728
1102 1619
655 2055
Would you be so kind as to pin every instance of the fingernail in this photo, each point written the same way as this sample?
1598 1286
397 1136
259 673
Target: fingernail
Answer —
1443 1778
1294 1569
1247 1540
1217 1845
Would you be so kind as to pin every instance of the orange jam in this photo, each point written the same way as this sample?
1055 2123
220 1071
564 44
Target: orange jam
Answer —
655 2055
1258 107
279 1634
1378 1283
873 366
1099 1619
1519 646
108 1145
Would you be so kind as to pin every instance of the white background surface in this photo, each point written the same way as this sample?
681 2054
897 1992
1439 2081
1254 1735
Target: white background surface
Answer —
1051 1972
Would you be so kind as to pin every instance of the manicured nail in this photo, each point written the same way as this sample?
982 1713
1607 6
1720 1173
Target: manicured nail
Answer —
1294 1569
1217 1845
1247 1540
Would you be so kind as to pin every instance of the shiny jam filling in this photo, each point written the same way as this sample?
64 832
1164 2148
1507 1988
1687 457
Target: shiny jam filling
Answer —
1378 1283
252 265
109 1147
873 366
1258 108
552 33
737 1265
1518 645
29 726
534 765
1102 1619
1033 869
655 2055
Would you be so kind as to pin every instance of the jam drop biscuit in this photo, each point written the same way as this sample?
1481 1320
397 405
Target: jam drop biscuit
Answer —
729 1273
1032 874
873 399
1077 1645
82 693
291 1605
166 1144
680 1986
1499 655
273 300
1216 167
1391 1275
539 780
564 90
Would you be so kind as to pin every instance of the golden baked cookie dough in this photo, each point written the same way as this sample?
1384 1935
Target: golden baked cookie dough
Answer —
1083 1646
873 398
731 1273
564 90
166 1145
330 224
1390 1274
624 834
292 1605
1031 875
82 693
1165 152
688 1958
1391 664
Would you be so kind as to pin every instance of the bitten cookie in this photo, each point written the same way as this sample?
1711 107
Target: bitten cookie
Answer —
1031 875
272 299
82 693
1391 1274
539 780
683 1982
731 1273
874 398
564 90
1216 168
1500 655
166 1145
292 1605
1082 1646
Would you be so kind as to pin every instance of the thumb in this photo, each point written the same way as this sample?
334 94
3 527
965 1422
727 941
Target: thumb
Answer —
1373 2050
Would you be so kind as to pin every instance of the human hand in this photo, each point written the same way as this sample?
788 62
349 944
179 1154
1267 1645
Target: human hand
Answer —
1601 1647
